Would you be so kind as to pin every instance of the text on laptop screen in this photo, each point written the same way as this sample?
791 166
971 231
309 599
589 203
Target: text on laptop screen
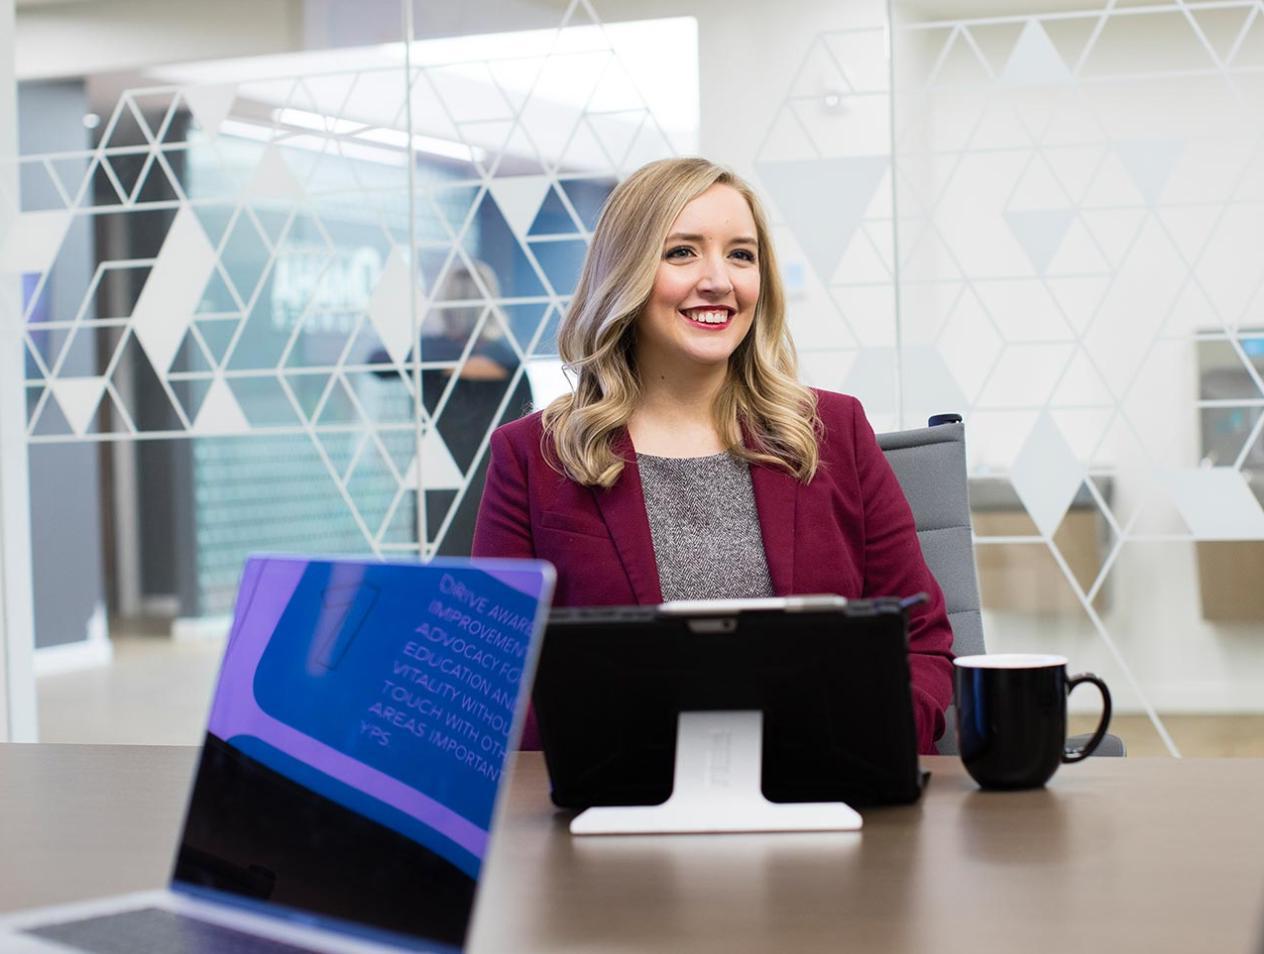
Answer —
358 737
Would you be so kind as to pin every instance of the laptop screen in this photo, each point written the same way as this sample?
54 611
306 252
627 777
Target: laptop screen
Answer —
358 737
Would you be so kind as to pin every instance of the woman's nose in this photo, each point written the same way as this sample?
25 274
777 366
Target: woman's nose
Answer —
715 277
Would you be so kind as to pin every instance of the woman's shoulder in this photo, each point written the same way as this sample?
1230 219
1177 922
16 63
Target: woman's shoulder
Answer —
836 409
525 432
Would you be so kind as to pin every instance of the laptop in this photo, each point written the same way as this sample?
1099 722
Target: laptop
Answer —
354 759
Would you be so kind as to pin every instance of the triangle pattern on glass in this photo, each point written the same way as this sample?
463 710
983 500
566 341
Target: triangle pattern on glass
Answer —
786 139
338 407
79 399
519 156
862 55
391 304
191 393
33 241
1070 37
157 183
615 91
47 419
438 471
1250 50
823 201
401 524
587 197
651 143
123 128
1221 27
73 173
1150 163
819 75
210 105
220 413
616 131
455 203
995 42
961 64
154 110
519 199
272 178
1035 61
1082 384
1040 232
192 354
515 77
554 218
308 390
584 154
521 278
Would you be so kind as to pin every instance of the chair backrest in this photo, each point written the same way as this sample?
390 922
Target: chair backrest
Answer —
930 464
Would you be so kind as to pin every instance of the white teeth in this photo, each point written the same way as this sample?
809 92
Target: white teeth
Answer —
709 317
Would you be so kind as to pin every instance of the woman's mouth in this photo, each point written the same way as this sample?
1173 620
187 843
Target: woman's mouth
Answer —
712 319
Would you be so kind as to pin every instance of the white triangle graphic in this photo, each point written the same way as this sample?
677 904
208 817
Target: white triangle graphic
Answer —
220 413
1040 233
273 178
390 308
438 469
1035 61
210 105
519 198
79 399
33 241
823 201
1150 164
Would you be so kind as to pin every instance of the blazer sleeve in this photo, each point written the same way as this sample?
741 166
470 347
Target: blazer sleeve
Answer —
503 528
894 566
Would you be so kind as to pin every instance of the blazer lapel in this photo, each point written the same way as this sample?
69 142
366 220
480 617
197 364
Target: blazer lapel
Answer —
776 499
623 509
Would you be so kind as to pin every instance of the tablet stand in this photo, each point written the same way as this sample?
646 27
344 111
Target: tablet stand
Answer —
717 788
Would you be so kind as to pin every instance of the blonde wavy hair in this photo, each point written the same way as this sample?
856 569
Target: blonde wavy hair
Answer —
761 400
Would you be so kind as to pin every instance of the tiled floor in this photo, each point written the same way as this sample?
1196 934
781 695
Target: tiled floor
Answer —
157 692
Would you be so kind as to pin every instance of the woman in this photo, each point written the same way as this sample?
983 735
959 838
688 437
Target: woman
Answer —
689 462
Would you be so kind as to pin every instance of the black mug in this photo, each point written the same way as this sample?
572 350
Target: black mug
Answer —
1012 718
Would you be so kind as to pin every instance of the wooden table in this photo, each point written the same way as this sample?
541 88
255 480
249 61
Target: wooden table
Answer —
1116 855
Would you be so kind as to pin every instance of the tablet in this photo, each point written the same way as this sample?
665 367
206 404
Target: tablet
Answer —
830 677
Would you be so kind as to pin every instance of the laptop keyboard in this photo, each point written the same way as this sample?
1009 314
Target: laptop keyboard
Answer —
155 931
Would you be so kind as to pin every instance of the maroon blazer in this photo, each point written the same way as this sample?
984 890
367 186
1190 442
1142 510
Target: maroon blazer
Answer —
849 531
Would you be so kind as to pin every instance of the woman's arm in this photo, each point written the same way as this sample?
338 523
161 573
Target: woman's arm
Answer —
503 528
894 566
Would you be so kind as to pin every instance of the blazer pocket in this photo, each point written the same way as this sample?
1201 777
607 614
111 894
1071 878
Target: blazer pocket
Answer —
572 523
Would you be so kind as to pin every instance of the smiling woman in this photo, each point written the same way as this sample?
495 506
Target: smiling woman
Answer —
689 462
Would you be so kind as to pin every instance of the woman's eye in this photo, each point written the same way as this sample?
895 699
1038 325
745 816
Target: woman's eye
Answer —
745 254
680 251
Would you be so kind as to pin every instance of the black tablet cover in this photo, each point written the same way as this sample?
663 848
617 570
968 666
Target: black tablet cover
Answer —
833 684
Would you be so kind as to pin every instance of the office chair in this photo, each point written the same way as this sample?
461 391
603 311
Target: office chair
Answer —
930 464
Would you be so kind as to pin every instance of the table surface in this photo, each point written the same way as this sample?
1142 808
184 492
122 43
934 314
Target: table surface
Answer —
1115 855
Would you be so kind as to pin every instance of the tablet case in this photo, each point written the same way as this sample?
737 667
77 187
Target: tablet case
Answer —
833 685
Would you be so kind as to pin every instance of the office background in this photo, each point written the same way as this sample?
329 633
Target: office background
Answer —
236 237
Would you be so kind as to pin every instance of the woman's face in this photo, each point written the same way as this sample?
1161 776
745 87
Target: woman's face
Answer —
707 285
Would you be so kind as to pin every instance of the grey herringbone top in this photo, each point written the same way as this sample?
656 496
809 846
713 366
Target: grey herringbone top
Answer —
707 540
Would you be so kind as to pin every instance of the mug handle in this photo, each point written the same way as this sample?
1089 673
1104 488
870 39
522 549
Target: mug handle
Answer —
1080 754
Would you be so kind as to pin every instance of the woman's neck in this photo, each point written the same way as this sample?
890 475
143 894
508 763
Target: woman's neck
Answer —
674 416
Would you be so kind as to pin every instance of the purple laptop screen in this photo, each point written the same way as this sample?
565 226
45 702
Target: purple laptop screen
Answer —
358 737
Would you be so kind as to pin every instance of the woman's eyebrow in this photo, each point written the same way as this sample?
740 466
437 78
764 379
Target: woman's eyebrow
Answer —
695 237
